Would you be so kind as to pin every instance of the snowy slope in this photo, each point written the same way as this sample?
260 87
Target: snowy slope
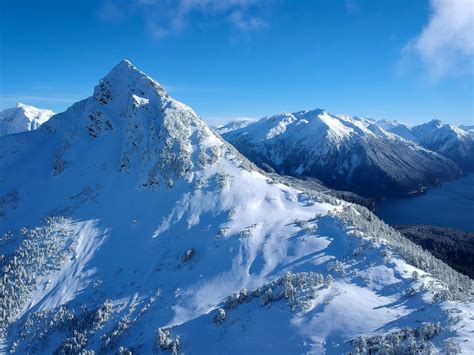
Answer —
136 227
22 118
448 140
344 152
233 125
468 129
397 128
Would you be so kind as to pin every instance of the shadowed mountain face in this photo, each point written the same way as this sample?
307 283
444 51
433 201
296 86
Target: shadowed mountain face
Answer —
127 224
343 152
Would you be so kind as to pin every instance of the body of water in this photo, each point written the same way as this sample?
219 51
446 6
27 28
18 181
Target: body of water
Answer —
450 205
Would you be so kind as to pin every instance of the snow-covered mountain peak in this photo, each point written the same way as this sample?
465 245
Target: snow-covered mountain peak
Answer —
207 259
126 94
158 138
445 139
437 130
126 84
435 123
339 150
387 124
233 125
22 118
23 106
317 120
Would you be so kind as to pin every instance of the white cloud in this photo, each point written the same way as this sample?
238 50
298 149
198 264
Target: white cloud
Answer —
169 17
446 44
246 23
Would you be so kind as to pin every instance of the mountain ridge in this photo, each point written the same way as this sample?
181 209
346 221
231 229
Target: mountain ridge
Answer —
22 118
189 248
446 139
345 153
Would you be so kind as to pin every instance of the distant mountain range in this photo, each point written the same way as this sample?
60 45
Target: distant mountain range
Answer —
22 118
127 225
371 158
468 129
450 141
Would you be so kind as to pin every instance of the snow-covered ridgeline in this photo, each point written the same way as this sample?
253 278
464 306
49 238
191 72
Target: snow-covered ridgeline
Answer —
22 118
344 152
448 140
165 224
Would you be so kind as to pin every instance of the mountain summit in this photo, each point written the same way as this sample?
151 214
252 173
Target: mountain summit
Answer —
22 118
158 138
450 141
143 231
123 81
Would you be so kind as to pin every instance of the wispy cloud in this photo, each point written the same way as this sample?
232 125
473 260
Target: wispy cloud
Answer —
9 100
164 18
352 7
246 23
446 44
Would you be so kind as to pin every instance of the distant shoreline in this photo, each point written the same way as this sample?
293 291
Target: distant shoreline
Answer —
449 206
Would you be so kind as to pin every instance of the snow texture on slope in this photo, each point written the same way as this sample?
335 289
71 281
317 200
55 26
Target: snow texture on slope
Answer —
448 140
22 118
127 224
468 129
233 125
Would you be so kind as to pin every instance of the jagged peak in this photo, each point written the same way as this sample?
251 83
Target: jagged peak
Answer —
435 123
126 68
292 116
22 118
29 111
126 80
22 105
25 108
161 139
126 62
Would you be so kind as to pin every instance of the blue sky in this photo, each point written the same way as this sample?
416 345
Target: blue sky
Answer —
410 60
